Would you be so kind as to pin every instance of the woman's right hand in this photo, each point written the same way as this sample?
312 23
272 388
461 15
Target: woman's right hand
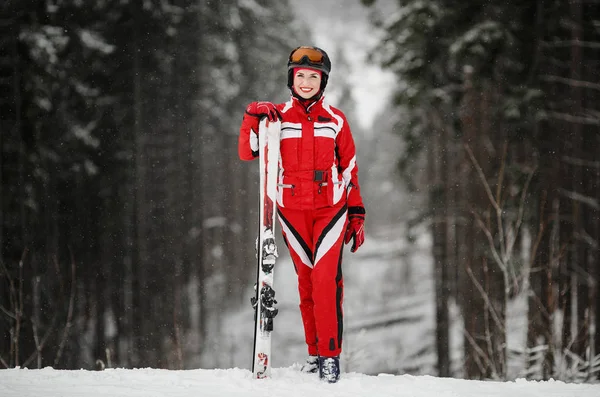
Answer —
263 109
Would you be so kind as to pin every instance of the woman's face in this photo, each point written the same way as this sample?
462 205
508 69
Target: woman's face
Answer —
307 82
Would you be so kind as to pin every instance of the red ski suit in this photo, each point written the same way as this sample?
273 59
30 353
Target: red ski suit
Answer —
317 187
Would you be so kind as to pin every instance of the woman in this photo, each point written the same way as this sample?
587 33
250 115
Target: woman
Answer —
319 202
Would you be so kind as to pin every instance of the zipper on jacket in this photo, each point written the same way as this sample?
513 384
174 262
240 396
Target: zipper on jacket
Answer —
287 186
325 184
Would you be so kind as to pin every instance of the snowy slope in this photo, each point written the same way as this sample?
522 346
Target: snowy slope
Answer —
286 382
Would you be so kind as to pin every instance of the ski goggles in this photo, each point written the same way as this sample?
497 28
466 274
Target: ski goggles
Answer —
307 54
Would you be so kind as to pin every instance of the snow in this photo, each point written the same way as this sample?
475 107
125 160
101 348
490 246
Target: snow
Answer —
288 382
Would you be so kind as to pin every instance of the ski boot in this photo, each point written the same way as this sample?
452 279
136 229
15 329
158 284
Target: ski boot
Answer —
311 366
329 369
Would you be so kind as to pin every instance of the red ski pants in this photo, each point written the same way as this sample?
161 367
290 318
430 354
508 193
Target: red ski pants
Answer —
315 241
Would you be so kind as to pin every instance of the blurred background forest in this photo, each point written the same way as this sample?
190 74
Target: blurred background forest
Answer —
127 220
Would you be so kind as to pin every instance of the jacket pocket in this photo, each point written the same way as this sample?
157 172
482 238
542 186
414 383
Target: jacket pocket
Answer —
285 194
292 192
334 189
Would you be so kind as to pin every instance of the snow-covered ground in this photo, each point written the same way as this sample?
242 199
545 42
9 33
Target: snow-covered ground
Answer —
286 382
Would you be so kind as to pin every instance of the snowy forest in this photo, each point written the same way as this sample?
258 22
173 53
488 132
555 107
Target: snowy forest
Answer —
127 221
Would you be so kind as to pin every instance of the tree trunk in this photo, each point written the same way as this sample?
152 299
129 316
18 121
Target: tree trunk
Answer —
437 164
593 101
540 325
581 249
138 284
596 238
485 312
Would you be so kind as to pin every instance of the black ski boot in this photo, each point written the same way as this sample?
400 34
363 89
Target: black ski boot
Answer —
329 369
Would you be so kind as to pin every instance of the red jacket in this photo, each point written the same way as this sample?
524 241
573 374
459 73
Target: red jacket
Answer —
318 157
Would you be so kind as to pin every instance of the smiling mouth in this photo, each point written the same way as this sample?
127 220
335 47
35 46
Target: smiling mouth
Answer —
304 89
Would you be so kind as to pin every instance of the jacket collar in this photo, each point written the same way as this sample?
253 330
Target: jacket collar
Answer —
307 104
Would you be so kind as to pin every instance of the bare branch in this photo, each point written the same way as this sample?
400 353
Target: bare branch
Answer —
5 270
501 172
12 296
43 341
580 162
591 113
500 223
482 177
38 350
571 43
519 221
35 320
571 82
12 292
537 299
8 313
585 237
39 343
538 239
480 353
573 119
490 238
575 196
486 299
506 245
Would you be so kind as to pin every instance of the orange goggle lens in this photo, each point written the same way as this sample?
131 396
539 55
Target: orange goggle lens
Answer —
313 55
